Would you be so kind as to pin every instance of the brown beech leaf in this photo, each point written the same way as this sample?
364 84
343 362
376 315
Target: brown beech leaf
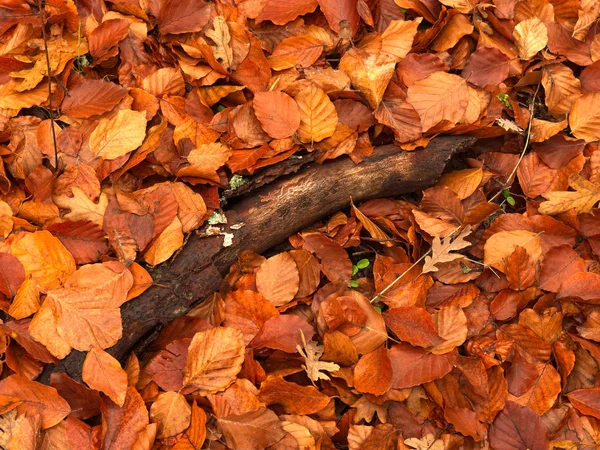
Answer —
255 430
518 427
586 401
92 97
277 279
282 332
36 399
439 97
413 325
373 372
277 113
293 398
103 373
122 425
520 272
172 413
183 16
214 359
118 135
335 263
412 366
84 402
486 66
12 275
247 311
581 286
309 271
562 89
281 12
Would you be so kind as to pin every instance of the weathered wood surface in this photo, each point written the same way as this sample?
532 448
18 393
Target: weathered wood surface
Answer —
269 214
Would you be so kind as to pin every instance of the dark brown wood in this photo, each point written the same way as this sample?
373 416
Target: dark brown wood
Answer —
265 218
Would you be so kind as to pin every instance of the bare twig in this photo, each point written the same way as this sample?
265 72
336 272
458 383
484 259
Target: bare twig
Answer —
49 70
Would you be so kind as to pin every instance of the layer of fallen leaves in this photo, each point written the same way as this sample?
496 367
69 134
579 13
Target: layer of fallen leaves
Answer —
121 120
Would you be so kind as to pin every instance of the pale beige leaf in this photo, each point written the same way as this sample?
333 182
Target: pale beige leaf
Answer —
318 116
103 373
45 258
172 413
214 359
585 117
311 352
440 96
222 38
82 208
582 200
530 37
165 244
440 250
500 246
118 135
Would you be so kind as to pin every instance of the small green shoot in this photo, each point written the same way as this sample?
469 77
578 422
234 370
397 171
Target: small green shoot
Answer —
354 283
361 264
377 308
505 100
508 197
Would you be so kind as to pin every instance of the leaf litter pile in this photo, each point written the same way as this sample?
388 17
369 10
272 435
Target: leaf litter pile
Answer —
465 317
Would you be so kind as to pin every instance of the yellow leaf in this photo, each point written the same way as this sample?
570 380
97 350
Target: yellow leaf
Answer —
26 301
318 117
11 99
167 243
530 36
172 413
45 258
586 195
214 359
500 246
103 373
222 38
82 208
118 135
585 117
439 97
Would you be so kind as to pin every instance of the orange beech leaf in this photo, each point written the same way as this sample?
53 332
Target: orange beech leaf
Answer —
413 325
239 398
103 373
91 97
168 242
373 372
462 182
282 333
586 401
172 413
247 311
397 39
214 359
205 160
194 436
293 398
255 430
281 12
44 258
542 394
166 81
277 279
318 117
584 119
412 366
27 300
440 96
520 272
335 263
85 240
36 399
562 88
501 245
122 425
118 135
582 286
401 117
451 325
465 421
340 14
166 368
338 347
277 113
309 271
518 427
294 51
26 431
104 39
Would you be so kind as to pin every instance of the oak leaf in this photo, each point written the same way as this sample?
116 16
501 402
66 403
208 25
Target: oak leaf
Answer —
440 250
582 200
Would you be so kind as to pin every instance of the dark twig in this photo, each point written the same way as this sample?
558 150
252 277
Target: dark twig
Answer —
49 70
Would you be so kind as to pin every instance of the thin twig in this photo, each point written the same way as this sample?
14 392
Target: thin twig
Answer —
527 139
49 70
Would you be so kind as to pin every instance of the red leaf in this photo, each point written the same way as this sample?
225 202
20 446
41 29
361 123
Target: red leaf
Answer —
518 427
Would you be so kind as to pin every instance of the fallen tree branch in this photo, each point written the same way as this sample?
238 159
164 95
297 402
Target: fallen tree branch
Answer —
267 216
